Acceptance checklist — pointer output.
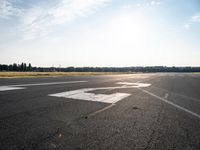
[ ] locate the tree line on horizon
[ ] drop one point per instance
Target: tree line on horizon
(16, 67)
(23, 67)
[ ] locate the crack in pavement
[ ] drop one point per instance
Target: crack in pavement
(154, 131)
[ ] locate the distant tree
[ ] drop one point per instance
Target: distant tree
(15, 68)
(29, 67)
(24, 67)
(4, 67)
(21, 66)
(10, 67)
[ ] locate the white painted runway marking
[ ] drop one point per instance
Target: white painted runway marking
(177, 94)
(100, 110)
(136, 85)
(49, 83)
(22, 86)
(82, 94)
(166, 95)
(8, 88)
(171, 103)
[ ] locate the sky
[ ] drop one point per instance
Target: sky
(100, 33)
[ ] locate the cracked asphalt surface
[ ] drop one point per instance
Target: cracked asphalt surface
(30, 119)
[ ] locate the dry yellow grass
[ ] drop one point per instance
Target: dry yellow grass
(50, 74)
(196, 72)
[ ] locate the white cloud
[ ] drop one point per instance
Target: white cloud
(196, 18)
(39, 21)
(186, 26)
(128, 6)
(193, 19)
(7, 9)
(138, 5)
(70, 9)
(154, 2)
(149, 3)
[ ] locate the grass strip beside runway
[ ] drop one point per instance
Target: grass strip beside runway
(51, 74)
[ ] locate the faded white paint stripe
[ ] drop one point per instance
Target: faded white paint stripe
(49, 83)
(166, 95)
(22, 86)
(8, 88)
(184, 96)
(101, 110)
(136, 84)
(171, 103)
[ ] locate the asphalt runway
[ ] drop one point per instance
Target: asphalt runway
(135, 111)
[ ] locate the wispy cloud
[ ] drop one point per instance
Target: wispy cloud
(149, 3)
(7, 9)
(187, 25)
(194, 19)
(154, 2)
(39, 21)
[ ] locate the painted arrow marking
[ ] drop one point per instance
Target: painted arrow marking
(82, 94)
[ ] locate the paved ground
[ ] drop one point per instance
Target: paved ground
(116, 112)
